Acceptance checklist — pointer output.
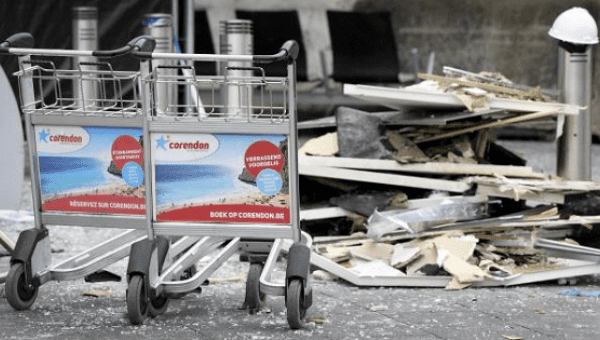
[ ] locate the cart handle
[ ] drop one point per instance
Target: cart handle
(144, 44)
(289, 51)
(22, 43)
(19, 40)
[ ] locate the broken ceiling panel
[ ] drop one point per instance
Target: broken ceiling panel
(399, 99)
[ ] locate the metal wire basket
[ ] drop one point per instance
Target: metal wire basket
(226, 98)
(93, 89)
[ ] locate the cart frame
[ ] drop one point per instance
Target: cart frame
(31, 263)
(152, 279)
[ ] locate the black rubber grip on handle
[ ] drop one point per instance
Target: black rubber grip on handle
(19, 40)
(143, 46)
(144, 43)
(289, 51)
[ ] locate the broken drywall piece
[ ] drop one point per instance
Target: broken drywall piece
(460, 269)
(472, 101)
(428, 256)
(322, 275)
(406, 150)
(455, 285)
(554, 190)
(494, 269)
(371, 251)
(403, 255)
(376, 268)
(488, 252)
(359, 134)
(326, 145)
(458, 150)
(462, 246)
(336, 254)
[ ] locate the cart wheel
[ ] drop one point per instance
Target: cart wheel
(254, 297)
(158, 306)
(295, 303)
(18, 293)
(137, 304)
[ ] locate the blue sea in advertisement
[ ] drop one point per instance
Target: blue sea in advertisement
(179, 183)
(64, 174)
(175, 183)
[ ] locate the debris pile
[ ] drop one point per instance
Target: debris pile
(423, 196)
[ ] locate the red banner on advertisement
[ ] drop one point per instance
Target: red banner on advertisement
(127, 149)
(97, 203)
(263, 155)
(232, 213)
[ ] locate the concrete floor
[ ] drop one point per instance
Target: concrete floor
(64, 310)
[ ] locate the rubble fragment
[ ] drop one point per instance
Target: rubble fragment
(359, 134)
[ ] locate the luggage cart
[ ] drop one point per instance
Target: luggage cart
(225, 173)
(80, 147)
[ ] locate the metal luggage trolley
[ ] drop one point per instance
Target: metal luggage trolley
(83, 134)
(224, 174)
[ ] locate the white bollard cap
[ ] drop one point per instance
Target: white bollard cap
(576, 26)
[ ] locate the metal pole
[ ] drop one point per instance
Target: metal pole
(575, 30)
(175, 12)
(293, 150)
(190, 35)
(236, 38)
(85, 37)
(574, 145)
(160, 26)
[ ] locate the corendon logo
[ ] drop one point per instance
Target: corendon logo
(184, 147)
(60, 139)
(65, 139)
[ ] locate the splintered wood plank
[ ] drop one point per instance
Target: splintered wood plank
(518, 194)
(530, 94)
(381, 178)
(503, 122)
(430, 167)
(323, 213)
(334, 239)
(556, 184)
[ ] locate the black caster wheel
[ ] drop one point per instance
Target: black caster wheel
(158, 306)
(254, 298)
(294, 300)
(19, 294)
(137, 304)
